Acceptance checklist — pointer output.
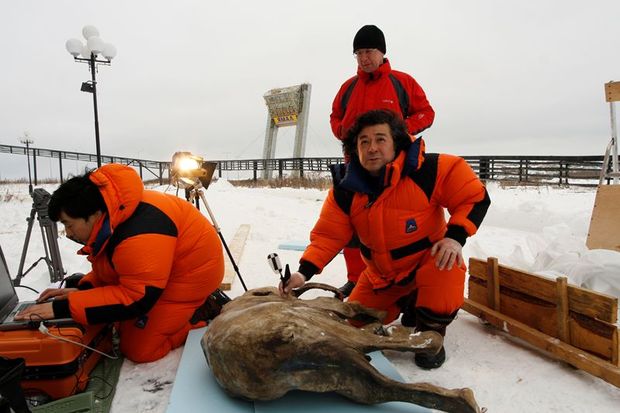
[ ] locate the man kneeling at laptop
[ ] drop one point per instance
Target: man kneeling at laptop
(155, 262)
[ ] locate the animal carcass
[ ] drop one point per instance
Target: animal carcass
(263, 345)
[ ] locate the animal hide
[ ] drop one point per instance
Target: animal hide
(263, 345)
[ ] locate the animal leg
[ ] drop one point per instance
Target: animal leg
(369, 386)
(367, 340)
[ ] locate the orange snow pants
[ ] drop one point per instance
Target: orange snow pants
(439, 291)
(354, 262)
(167, 324)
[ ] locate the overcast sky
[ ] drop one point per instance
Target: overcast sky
(504, 77)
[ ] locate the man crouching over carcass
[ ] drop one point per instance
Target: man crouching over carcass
(155, 261)
(393, 195)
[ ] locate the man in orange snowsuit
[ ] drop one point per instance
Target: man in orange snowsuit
(394, 195)
(155, 261)
(375, 86)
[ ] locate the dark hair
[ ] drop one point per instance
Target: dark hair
(79, 197)
(398, 129)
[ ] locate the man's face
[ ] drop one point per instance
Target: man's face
(369, 60)
(79, 229)
(375, 147)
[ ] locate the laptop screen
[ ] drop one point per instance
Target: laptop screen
(8, 297)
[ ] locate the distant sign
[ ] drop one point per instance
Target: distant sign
(287, 119)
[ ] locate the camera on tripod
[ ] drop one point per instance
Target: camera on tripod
(49, 232)
(40, 201)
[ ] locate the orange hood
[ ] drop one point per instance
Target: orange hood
(121, 188)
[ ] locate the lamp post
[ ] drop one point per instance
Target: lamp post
(27, 141)
(94, 46)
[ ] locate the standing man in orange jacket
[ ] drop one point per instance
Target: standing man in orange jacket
(376, 86)
(394, 196)
(155, 259)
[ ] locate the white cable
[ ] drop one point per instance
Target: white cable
(43, 329)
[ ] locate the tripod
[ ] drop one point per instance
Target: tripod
(49, 231)
(194, 194)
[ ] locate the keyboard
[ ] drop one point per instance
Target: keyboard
(19, 307)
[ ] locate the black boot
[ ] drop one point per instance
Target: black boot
(427, 320)
(347, 288)
(407, 306)
(211, 308)
(428, 362)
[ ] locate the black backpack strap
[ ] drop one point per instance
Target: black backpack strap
(347, 95)
(403, 97)
(146, 219)
(426, 176)
(344, 197)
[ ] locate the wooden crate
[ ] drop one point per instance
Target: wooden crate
(575, 324)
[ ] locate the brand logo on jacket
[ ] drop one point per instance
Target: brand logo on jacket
(390, 101)
(410, 226)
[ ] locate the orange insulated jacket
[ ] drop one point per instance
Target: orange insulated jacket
(399, 217)
(149, 246)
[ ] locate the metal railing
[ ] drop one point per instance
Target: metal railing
(156, 169)
(560, 170)
(532, 170)
(535, 170)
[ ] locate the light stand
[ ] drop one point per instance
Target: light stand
(194, 195)
(94, 46)
(49, 232)
(192, 174)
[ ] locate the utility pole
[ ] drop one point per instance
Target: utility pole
(27, 141)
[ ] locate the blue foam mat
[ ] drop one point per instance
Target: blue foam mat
(293, 245)
(195, 390)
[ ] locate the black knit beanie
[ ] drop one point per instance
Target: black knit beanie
(369, 37)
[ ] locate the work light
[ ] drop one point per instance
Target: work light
(190, 171)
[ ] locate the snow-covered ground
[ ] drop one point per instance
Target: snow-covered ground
(538, 229)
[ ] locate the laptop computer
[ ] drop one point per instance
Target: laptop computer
(10, 304)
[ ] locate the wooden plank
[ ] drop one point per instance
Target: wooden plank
(588, 334)
(615, 357)
(538, 314)
(594, 336)
(580, 300)
(493, 284)
(236, 250)
(593, 304)
(562, 309)
(612, 91)
(530, 284)
(604, 231)
(559, 350)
